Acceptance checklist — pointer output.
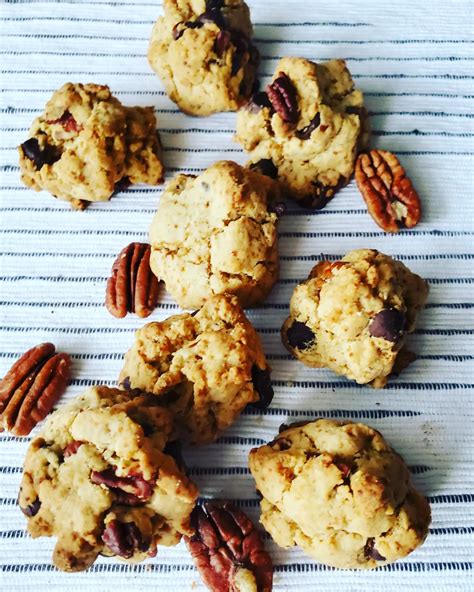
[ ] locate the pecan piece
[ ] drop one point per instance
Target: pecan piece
(32, 387)
(228, 550)
(282, 96)
(130, 491)
(132, 287)
(124, 538)
(391, 199)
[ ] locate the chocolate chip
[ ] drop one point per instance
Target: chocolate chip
(262, 384)
(258, 101)
(181, 27)
(370, 552)
(305, 133)
(32, 509)
(314, 202)
(32, 151)
(388, 324)
(322, 194)
(300, 335)
(212, 15)
(353, 110)
(279, 208)
(126, 383)
(122, 185)
(266, 167)
(174, 449)
(280, 444)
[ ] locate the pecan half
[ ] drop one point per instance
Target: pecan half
(32, 387)
(228, 550)
(132, 287)
(282, 96)
(389, 194)
(130, 491)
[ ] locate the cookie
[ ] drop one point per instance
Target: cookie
(307, 128)
(202, 52)
(215, 233)
(86, 145)
(353, 315)
(98, 478)
(341, 493)
(204, 367)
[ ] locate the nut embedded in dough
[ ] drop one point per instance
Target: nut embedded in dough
(341, 493)
(352, 316)
(217, 233)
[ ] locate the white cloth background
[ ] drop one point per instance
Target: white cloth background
(414, 63)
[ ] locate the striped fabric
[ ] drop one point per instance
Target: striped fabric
(414, 63)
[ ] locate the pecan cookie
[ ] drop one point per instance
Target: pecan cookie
(86, 144)
(98, 478)
(352, 316)
(306, 129)
(204, 367)
(202, 52)
(341, 493)
(216, 233)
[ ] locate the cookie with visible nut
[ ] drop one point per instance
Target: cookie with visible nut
(86, 145)
(340, 492)
(353, 315)
(204, 367)
(98, 478)
(217, 233)
(202, 51)
(31, 388)
(309, 123)
(228, 550)
(132, 286)
(391, 199)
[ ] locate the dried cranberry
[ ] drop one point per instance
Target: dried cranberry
(262, 384)
(300, 335)
(67, 121)
(305, 133)
(388, 324)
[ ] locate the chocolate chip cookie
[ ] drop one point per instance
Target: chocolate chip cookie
(86, 145)
(306, 129)
(204, 367)
(203, 54)
(98, 478)
(353, 315)
(341, 493)
(216, 233)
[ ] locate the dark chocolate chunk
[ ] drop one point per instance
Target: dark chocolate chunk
(388, 324)
(32, 509)
(370, 552)
(263, 386)
(266, 167)
(258, 101)
(300, 335)
(305, 132)
(279, 208)
(222, 43)
(32, 151)
(175, 450)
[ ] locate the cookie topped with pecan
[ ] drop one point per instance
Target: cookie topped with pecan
(309, 124)
(86, 145)
(202, 51)
(340, 492)
(99, 479)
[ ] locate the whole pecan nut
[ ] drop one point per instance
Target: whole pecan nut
(132, 287)
(31, 388)
(227, 549)
(391, 199)
(283, 97)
